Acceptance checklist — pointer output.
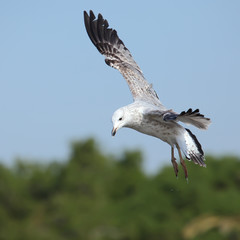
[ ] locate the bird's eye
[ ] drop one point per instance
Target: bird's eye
(120, 119)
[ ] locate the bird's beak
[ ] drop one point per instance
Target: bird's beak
(114, 130)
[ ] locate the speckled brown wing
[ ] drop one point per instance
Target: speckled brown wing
(119, 57)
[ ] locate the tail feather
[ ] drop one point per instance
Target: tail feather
(191, 148)
(194, 118)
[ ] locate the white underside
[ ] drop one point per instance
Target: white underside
(187, 144)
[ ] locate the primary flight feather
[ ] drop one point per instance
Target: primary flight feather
(146, 114)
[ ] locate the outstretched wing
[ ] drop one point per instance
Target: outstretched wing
(194, 118)
(118, 56)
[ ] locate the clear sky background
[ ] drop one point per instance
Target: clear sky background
(56, 88)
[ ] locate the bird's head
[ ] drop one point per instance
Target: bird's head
(119, 119)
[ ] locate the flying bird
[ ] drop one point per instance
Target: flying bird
(146, 114)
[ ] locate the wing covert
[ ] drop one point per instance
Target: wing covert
(194, 118)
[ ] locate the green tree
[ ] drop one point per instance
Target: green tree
(95, 196)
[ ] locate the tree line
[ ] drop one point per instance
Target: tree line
(96, 196)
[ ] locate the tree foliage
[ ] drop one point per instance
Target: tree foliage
(94, 196)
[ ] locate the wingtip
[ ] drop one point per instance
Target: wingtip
(100, 17)
(86, 13)
(92, 16)
(86, 17)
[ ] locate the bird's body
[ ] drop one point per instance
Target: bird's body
(146, 114)
(142, 122)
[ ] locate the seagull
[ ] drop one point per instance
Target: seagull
(146, 114)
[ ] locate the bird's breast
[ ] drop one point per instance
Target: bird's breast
(166, 132)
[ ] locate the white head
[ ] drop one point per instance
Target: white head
(121, 118)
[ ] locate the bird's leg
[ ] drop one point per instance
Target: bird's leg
(182, 162)
(174, 163)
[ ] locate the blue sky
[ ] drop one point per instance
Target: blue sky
(56, 88)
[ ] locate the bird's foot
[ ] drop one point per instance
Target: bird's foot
(175, 166)
(184, 169)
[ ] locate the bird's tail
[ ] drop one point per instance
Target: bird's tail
(195, 118)
(191, 147)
